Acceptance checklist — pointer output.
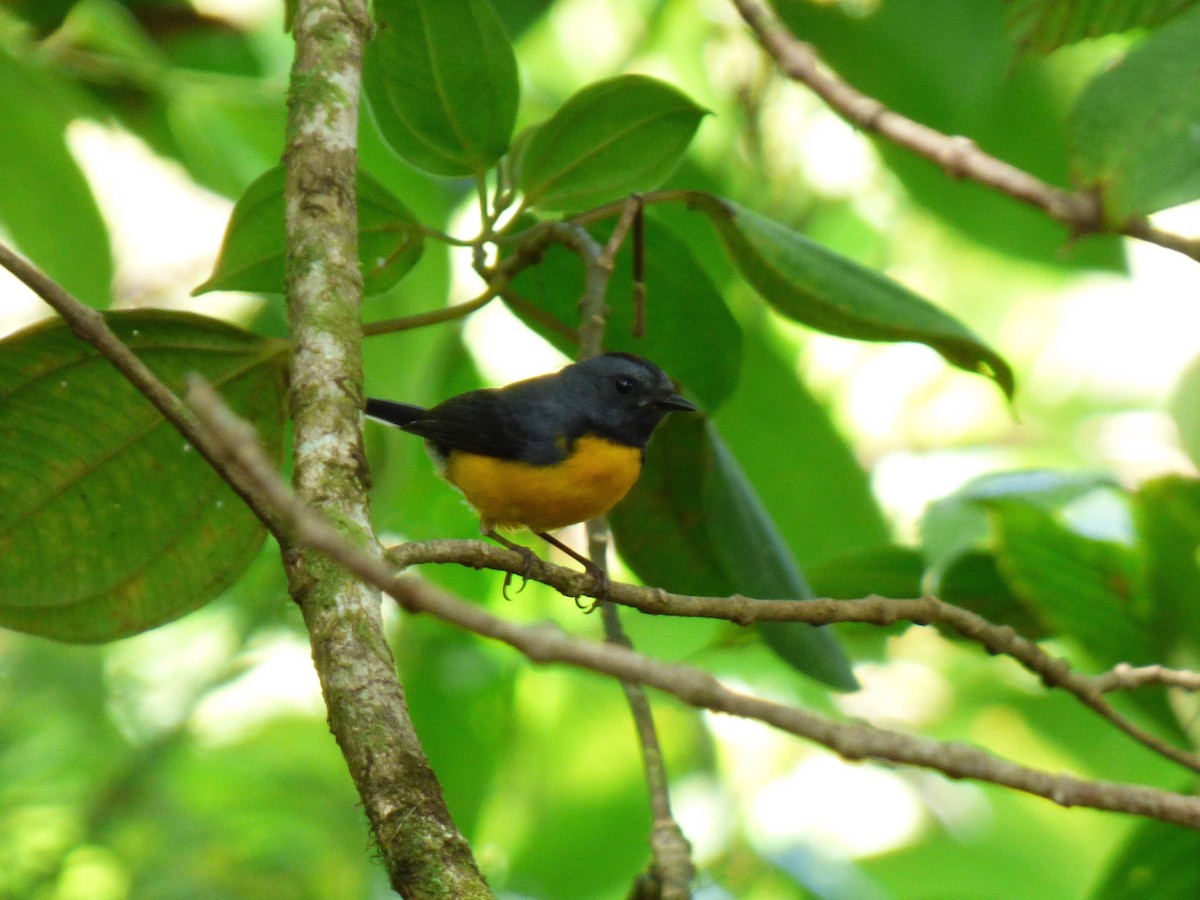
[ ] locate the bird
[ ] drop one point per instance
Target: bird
(548, 451)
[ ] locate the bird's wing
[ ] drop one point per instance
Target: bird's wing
(477, 422)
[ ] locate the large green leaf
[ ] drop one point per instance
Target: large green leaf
(1133, 132)
(1167, 512)
(1157, 862)
(681, 301)
(806, 282)
(1087, 589)
(110, 522)
(693, 524)
(820, 497)
(613, 138)
(1045, 25)
(441, 83)
(252, 254)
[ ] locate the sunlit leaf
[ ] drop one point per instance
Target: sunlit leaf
(36, 108)
(1185, 410)
(693, 524)
(1041, 26)
(111, 523)
(252, 255)
(1133, 132)
(808, 283)
(611, 139)
(680, 300)
(441, 83)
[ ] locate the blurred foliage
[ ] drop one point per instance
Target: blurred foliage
(193, 760)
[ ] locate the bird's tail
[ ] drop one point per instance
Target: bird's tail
(389, 411)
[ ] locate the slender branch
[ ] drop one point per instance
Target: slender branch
(547, 643)
(1125, 677)
(672, 870)
(1082, 212)
(437, 316)
(995, 639)
(425, 855)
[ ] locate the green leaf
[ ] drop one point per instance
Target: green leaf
(110, 522)
(252, 254)
(1133, 132)
(36, 108)
(1157, 862)
(973, 581)
(807, 283)
(888, 570)
(611, 139)
(1083, 588)
(773, 424)
(1041, 26)
(441, 83)
(1167, 513)
(680, 300)
(693, 524)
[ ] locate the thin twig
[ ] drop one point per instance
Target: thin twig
(1124, 677)
(671, 867)
(996, 639)
(547, 643)
(1082, 212)
(437, 316)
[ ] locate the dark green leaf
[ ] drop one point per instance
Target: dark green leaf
(611, 139)
(1045, 25)
(888, 570)
(110, 522)
(1167, 512)
(1079, 587)
(680, 300)
(806, 282)
(823, 505)
(693, 524)
(973, 581)
(1133, 132)
(252, 254)
(441, 83)
(1157, 862)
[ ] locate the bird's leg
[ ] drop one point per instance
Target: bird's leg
(597, 573)
(528, 555)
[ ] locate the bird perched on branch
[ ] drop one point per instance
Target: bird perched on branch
(545, 452)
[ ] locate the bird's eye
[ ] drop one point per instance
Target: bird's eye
(624, 384)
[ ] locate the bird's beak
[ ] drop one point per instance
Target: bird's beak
(675, 402)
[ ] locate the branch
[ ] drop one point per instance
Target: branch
(547, 643)
(672, 870)
(995, 639)
(1081, 212)
(422, 850)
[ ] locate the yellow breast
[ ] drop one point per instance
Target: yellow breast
(586, 484)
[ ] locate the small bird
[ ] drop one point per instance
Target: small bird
(549, 451)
